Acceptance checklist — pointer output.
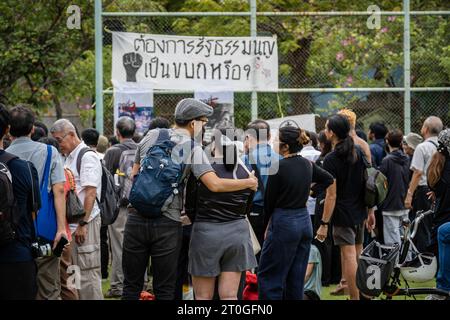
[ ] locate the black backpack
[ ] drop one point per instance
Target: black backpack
(8, 218)
(108, 203)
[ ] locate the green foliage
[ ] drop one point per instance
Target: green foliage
(42, 62)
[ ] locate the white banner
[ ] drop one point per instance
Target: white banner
(135, 104)
(195, 63)
(304, 121)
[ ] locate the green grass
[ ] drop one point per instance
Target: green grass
(431, 284)
(326, 291)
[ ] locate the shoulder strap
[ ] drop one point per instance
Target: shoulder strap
(257, 172)
(44, 181)
(434, 143)
(7, 157)
(36, 204)
(361, 154)
(123, 147)
(258, 176)
(80, 157)
(252, 194)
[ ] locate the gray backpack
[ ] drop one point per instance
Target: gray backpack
(109, 198)
(124, 174)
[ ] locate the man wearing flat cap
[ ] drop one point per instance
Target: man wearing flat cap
(160, 238)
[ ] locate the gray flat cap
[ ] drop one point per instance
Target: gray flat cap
(413, 139)
(189, 109)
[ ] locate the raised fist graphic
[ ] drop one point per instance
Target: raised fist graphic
(132, 62)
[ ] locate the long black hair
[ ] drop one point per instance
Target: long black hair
(293, 137)
(345, 148)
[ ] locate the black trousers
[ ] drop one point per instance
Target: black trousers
(104, 251)
(421, 202)
(256, 219)
(18, 281)
(183, 262)
(159, 239)
(329, 252)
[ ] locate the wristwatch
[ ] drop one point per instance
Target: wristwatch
(323, 223)
(82, 223)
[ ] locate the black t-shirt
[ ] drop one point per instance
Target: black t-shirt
(19, 250)
(350, 209)
(222, 206)
(290, 187)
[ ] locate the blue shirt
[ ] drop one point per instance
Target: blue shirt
(19, 250)
(377, 151)
(264, 157)
(314, 282)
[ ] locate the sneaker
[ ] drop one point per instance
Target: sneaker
(435, 297)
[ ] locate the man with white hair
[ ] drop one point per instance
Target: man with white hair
(417, 198)
(88, 180)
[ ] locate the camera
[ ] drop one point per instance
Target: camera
(40, 249)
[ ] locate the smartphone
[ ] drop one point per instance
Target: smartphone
(60, 247)
(319, 239)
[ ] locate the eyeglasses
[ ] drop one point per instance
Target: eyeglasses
(203, 120)
(61, 139)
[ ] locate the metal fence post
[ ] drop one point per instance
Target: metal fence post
(98, 66)
(253, 31)
(407, 66)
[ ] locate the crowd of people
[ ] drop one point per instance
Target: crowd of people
(286, 206)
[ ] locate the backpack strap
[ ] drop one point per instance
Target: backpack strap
(432, 142)
(258, 176)
(80, 157)
(44, 182)
(361, 154)
(36, 201)
(7, 157)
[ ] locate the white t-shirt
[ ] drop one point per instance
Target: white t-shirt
(422, 157)
(90, 176)
(311, 154)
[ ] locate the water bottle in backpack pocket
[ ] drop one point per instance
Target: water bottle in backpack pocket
(123, 174)
(159, 179)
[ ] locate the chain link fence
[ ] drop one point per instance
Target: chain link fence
(319, 52)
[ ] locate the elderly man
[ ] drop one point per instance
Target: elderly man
(86, 247)
(417, 197)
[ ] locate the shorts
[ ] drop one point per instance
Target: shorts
(220, 247)
(348, 236)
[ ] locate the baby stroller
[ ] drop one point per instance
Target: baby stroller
(380, 266)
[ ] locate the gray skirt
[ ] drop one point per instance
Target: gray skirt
(220, 247)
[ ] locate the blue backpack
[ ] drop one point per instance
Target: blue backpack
(159, 179)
